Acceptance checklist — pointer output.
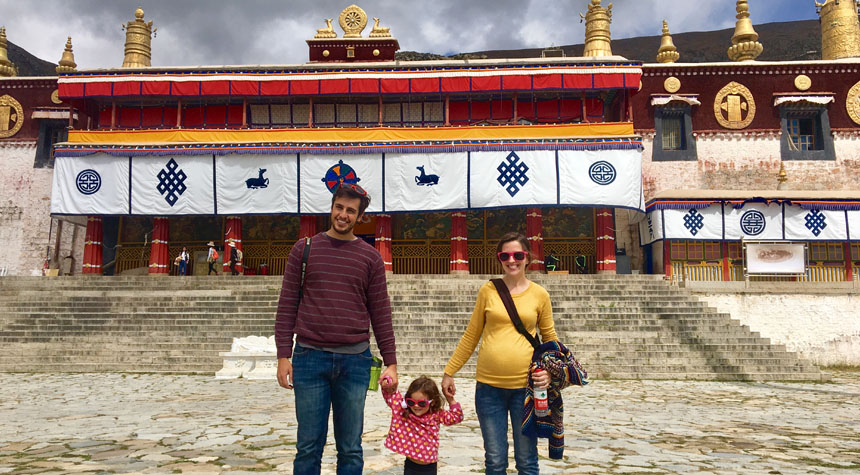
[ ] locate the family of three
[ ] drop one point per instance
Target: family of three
(334, 290)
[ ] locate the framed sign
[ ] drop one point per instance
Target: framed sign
(775, 258)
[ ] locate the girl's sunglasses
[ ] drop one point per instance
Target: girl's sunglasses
(422, 403)
(506, 256)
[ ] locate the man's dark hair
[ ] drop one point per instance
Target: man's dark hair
(347, 190)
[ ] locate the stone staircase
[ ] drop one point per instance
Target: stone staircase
(621, 327)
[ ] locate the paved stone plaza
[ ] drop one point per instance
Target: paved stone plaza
(143, 423)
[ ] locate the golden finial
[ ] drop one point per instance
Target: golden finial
(138, 42)
(667, 53)
(7, 68)
(67, 61)
(745, 45)
(783, 177)
(840, 29)
(598, 40)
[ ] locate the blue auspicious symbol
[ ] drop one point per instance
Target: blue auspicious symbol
(693, 221)
(259, 182)
(816, 222)
(424, 179)
(602, 172)
(340, 173)
(752, 223)
(88, 181)
(512, 175)
(171, 182)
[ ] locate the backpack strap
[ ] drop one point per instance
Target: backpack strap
(505, 294)
(304, 265)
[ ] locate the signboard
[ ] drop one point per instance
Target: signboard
(775, 258)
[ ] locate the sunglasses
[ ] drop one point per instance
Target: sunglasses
(422, 403)
(354, 188)
(506, 256)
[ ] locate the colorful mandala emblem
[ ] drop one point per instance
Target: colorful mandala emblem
(340, 173)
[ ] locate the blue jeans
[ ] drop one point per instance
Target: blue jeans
(326, 381)
(182, 267)
(494, 407)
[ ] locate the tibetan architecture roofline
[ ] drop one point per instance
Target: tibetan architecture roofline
(811, 199)
(304, 81)
(591, 144)
(351, 135)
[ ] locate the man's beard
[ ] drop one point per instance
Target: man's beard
(343, 233)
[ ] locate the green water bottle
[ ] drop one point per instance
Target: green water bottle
(375, 371)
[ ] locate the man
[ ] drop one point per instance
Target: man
(234, 258)
(344, 293)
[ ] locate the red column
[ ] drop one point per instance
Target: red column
(667, 259)
(383, 240)
(727, 268)
(234, 235)
(605, 241)
(307, 226)
(93, 246)
(159, 255)
(459, 244)
(849, 270)
(534, 233)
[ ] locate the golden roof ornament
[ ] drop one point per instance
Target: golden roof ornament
(352, 20)
(840, 29)
(138, 42)
(7, 68)
(782, 178)
(379, 31)
(327, 32)
(598, 40)
(67, 61)
(745, 45)
(667, 53)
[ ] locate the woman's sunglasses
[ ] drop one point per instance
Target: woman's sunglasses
(422, 403)
(354, 188)
(506, 256)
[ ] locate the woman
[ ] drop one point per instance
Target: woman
(184, 257)
(504, 358)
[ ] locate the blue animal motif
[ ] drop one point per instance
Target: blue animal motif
(425, 179)
(258, 182)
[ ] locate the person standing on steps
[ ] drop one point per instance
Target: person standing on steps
(234, 258)
(330, 312)
(502, 371)
(212, 258)
(184, 257)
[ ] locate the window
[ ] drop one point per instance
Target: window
(696, 251)
(805, 132)
(826, 251)
(735, 251)
(712, 251)
(855, 252)
(51, 132)
(673, 137)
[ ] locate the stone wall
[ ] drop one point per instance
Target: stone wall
(823, 326)
(25, 221)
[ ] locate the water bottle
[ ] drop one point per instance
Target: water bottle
(375, 371)
(541, 401)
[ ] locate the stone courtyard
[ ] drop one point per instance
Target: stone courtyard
(148, 423)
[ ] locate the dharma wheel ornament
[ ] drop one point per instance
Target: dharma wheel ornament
(352, 20)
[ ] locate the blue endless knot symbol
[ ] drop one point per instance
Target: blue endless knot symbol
(602, 173)
(753, 223)
(816, 222)
(172, 182)
(512, 175)
(694, 221)
(88, 181)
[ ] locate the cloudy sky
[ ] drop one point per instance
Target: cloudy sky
(217, 32)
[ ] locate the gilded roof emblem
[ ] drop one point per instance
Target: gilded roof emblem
(852, 103)
(11, 116)
(734, 106)
(352, 20)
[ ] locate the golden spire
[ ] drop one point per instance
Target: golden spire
(745, 45)
(67, 61)
(667, 53)
(138, 41)
(597, 37)
(840, 29)
(7, 68)
(782, 178)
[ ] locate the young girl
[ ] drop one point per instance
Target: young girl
(415, 423)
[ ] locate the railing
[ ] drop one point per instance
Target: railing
(825, 273)
(856, 269)
(273, 254)
(421, 256)
(703, 271)
(713, 272)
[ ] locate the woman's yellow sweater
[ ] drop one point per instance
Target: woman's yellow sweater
(505, 354)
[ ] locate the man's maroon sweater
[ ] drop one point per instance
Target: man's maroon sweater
(344, 294)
